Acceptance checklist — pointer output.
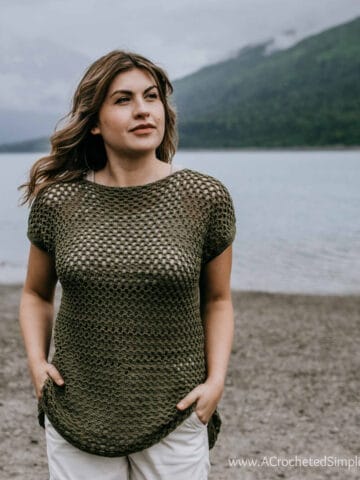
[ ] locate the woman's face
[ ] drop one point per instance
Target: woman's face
(132, 99)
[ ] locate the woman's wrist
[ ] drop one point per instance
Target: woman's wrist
(217, 381)
(37, 363)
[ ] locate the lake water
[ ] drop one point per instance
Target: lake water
(298, 217)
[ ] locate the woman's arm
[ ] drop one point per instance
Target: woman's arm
(36, 313)
(218, 317)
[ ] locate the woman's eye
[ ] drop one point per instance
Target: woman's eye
(124, 99)
(121, 99)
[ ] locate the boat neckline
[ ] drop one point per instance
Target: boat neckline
(143, 186)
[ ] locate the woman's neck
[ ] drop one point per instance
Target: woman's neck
(123, 178)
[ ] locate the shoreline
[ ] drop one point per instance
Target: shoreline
(280, 149)
(236, 291)
(291, 388)
(326, 148)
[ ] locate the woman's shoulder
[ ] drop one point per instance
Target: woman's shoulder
(56, 193)
(210, 185)
(202, 175)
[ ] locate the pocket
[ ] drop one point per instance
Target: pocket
(46, 421)
(45, 384)
(197, 419)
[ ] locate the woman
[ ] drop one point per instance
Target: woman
(142, 251)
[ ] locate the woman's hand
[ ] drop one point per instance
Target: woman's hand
(207, 396)
(41, 372)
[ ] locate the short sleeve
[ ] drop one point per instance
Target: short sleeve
(221, 228)
(40, 228)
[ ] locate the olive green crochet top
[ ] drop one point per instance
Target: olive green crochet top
(129, 339)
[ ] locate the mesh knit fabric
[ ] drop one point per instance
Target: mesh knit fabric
(129, 339)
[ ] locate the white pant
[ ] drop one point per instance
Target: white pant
(181, 455)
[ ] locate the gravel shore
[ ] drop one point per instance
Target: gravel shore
(292, 390)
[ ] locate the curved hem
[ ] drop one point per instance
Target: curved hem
(114, 453)
(212, 428)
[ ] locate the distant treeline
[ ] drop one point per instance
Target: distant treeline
(36, 145)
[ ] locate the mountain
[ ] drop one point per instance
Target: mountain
(28, 124)
(37, 145)
(307, 95)
(38, 78)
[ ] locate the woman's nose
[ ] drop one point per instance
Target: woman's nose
(141, 107)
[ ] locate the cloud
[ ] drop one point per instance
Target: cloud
(46, 46)
(183, 35)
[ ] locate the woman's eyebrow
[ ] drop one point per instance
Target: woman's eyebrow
(129, 92)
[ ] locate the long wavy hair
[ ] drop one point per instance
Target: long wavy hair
(74, 150)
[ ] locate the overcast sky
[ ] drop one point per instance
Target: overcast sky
(46, 45)
(180, 35)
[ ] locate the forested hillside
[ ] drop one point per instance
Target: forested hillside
(307, 95)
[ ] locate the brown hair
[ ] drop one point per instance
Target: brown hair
(74, 150)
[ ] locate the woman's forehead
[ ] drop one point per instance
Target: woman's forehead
(135, 78)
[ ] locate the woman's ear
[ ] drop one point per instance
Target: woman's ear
(95, 130)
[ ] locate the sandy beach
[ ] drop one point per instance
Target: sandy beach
(292, 390)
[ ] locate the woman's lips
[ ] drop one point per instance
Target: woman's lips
(143, 130)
